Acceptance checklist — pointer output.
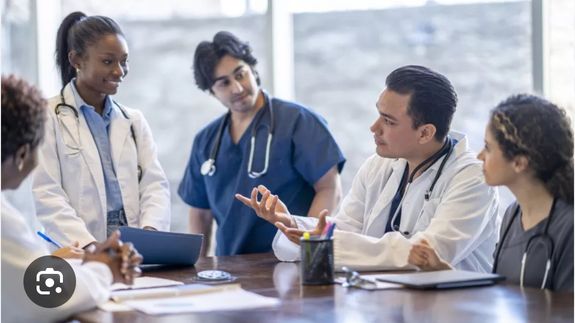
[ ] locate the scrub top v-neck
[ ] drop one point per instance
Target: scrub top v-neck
(302, 151)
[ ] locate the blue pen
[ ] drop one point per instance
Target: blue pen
(330, 231)
(47, 238)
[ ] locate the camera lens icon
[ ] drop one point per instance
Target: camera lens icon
(49, 281)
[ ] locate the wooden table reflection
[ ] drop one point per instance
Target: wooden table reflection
(263, 274)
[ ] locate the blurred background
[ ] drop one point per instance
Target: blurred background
(330, 55)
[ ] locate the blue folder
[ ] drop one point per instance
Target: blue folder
(164, 248)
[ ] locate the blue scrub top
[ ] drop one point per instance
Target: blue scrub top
(302, 151)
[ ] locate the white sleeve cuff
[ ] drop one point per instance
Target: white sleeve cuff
(286, 250)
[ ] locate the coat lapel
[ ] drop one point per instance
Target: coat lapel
(89, 150)
(119, 133)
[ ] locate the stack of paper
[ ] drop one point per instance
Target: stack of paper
(146, 282)
(146, 297)
(223, 300)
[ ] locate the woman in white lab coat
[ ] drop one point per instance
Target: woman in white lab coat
(23, 118)
(98, 168)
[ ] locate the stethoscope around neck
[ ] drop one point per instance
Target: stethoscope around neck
(447, 150)
(78, 147)
(208, 167)
(543, 237)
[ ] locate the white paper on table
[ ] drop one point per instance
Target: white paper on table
(146, 282)
(111, 306)
(234, 299)
(170, 291)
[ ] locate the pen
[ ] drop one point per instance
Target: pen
(47, 238)
(330, 230)
(307, 248)
(317, 258)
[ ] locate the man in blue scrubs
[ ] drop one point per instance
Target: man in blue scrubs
(304, 159)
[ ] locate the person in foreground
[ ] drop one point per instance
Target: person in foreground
(529, 149)
(23, 120)
(424, 183)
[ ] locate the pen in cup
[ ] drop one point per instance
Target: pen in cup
(327, 233)
(306, 237)
(50, 240)
(330, 230)
(316, 259)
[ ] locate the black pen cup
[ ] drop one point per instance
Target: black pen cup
(316, 261)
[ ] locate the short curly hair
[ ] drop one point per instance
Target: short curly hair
(23, 115)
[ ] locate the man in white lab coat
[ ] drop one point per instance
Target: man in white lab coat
(423, 183)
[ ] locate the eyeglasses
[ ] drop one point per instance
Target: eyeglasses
(354, 279)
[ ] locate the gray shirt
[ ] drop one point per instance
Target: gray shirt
(560, 277)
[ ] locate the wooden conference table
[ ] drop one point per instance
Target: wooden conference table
(263, 274)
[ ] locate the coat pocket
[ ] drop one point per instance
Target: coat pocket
(426, 214)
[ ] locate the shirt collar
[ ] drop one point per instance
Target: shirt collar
(82, 104)
(458, 148)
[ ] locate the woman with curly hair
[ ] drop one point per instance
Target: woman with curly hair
(529, 149)
(23, 119)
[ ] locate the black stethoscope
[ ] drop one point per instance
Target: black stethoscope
(543, 238)
(447, 150)
(208, 167)
(77, 148)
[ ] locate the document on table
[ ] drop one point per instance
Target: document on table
(142, 285)
(224, 300)
(146, 282)
(187, 298)
(171, 291)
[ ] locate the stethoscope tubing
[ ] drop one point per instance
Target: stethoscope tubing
(435, 179)
(545, 237)
(63, 103)
(208, 167)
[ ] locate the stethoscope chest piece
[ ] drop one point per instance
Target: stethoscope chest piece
(208, 167)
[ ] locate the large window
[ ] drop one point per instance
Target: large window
(341, 51)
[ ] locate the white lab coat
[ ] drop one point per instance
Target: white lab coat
(69, 186)
(460, 220)
(20, 247)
